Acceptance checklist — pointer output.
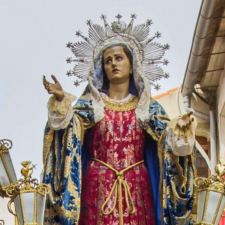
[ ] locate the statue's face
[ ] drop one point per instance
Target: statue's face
(117, 65)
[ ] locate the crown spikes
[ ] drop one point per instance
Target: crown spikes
(155, 75)
(150, 68)
(97, 35)
(81, 70)
(154, 51)
(69, 60)
(108, 30)
(133, 16)
(155, 78)
(69, 73)
(79, 60)
(157, 87)
(158, 34)
(76, 83)
(154, 62)
(82, 49)
(79, 34)
(103, 17)
(130, 26)
(166, 47)
(118, 17)
(166, 75)
(140, 32)
(89, 23)
(81, 67)
(95, 32)
(69, 45)
(148, 41)
(99, 30)
(81, 74)
(153, 72)
(165, 62)
(149, 22)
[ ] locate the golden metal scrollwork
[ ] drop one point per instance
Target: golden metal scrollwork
(211, 186)
(25, 185)
(214, 182)
(5, 145)
(2, 222)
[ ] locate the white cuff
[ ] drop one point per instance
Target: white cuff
(60, 113)
(179, 146)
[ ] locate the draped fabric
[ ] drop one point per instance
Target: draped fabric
(117, 140)
(65, 155)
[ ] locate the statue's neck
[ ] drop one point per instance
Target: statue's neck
(118, 91)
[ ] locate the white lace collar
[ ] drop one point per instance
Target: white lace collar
(113, 100)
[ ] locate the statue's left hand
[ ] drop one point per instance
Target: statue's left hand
(186, 120)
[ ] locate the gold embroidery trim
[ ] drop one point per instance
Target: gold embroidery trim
(121, 106)
(117, 187)
(161, 160)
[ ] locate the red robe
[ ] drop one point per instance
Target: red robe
(117, 140)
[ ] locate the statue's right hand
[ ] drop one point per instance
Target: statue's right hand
(55, 89)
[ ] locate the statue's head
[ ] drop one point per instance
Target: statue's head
(117, 53)
(117, 64)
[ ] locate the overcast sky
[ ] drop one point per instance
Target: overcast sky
(33, 39)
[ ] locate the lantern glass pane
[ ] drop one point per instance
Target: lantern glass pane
(201, 203)
(10, 167)
(28, 204)
(3, 175)
(18, 210)
(220, 211)
(213, 201)
(40, 207)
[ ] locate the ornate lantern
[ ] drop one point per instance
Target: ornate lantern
(211, 197)
(7, 172)
(28, 196)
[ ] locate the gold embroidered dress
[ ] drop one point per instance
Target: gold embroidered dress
(118, 141)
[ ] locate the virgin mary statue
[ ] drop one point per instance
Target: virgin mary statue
(114, 158)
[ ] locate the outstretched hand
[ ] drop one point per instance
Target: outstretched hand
(186, 120)
(55, 89)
